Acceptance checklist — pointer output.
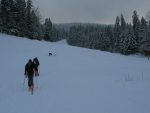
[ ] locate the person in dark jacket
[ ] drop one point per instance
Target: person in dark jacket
(29, 72)
(36, 64)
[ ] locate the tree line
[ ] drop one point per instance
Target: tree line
(21, 18)
(122, 37)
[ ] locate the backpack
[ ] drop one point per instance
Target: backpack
(36, 62)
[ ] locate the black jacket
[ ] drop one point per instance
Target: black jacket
(29, 68)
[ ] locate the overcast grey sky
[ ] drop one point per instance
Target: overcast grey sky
(93, 11)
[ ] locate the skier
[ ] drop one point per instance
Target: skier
(36, 64)
(29, 72)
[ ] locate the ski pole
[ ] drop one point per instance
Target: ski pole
(36, 82)
(24, 81)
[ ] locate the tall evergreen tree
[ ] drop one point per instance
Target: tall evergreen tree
(128, 44)
(123, 23)
(148, 30)
(37, 28)
(29, 21)
(143, 30)
(12, 24)
(20, 9)
(48, 29)
(5, 8)
(136, 26)
(117, 32)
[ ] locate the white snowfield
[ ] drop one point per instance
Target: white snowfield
(75, 80)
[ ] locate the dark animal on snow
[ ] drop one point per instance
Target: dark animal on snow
(50, 54)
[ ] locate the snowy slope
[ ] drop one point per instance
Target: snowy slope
(75, 80)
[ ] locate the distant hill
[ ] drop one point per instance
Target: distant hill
(66, 26)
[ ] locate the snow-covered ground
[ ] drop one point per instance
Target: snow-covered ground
(75, 80)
